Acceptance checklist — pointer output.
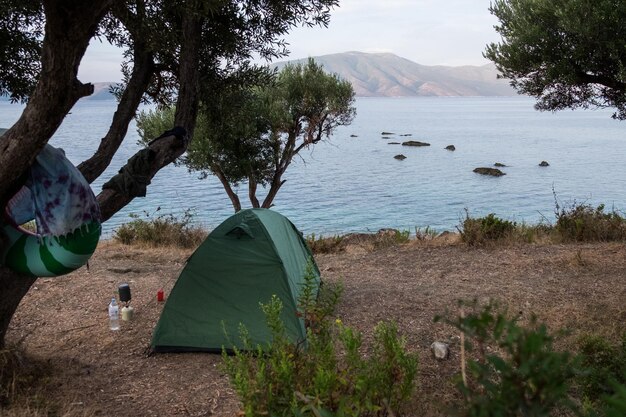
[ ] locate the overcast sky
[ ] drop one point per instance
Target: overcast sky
(429, 32)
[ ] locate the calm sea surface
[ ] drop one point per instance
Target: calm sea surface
(354, 183)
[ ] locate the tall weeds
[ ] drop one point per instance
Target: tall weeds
(584, 223)
(573, 223)
(326, 375)
(513, 369)
(161, 230)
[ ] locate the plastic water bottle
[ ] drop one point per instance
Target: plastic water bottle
(114, 315)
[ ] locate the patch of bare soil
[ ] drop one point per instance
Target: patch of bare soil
(64, 320)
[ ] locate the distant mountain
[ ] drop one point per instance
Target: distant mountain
(101, 91)
(388, 75)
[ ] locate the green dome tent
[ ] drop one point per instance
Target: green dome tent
(251, 256)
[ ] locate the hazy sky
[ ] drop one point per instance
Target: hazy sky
(429, 32)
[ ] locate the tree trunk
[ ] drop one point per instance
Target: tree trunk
(274, 188)
(252, 187)
(165, 150)
(143, 70)
(281, 167)
(234, 198)
(189, 73)
(13, 287)
(69, 27)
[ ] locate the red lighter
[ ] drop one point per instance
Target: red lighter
(160, 294)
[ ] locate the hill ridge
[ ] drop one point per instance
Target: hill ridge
(385, 74)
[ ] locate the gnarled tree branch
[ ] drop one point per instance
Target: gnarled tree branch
(69, 27)
(164, 151)
(143, 70)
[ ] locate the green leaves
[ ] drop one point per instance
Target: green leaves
(328, 376)
(314, 102)
(21, 34)
(605, 367)
(478, 231)
(515, 371)
(254, 122)
(566, 53)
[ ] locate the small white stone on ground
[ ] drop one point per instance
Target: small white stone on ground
(440, 350)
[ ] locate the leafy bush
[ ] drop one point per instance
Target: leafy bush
(478, 231)
(402, 236)
(321, 244)
(384, 238)
(582, 222)
(604, 364)
(574, 223)
(162, 230)
(515, 371)
(325, 375)
(615, 405)
(426, 233)
(390, 237)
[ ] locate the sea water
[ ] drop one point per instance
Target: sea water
(351, 182)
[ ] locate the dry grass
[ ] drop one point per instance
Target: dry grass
(574, 223)
(161, 231)
(369, 241)
(25, 390)
(64, 320)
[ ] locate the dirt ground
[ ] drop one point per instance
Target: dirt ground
(64, 321)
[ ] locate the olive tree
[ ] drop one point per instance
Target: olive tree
(251, 133)
(174, 50)
(566, 53)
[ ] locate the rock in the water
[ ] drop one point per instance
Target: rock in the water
(440, 350)
(387, 133)
(407, 134)
(400, 157)
(386, 137)
(353, 136)
(415, 143)
(499, 165)
(450, 148)
(544, 164)
(393, 143)
(494, 172)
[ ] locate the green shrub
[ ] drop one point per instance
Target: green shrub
(574, 223)
(326, 375)
(604, 364)
(583, 223)
(323, 244)
(515, 370)
(426, 233)
(384, 238)
(402, 236)
(478, 231)
(390, 237)
(162, 230)
(615, 405)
